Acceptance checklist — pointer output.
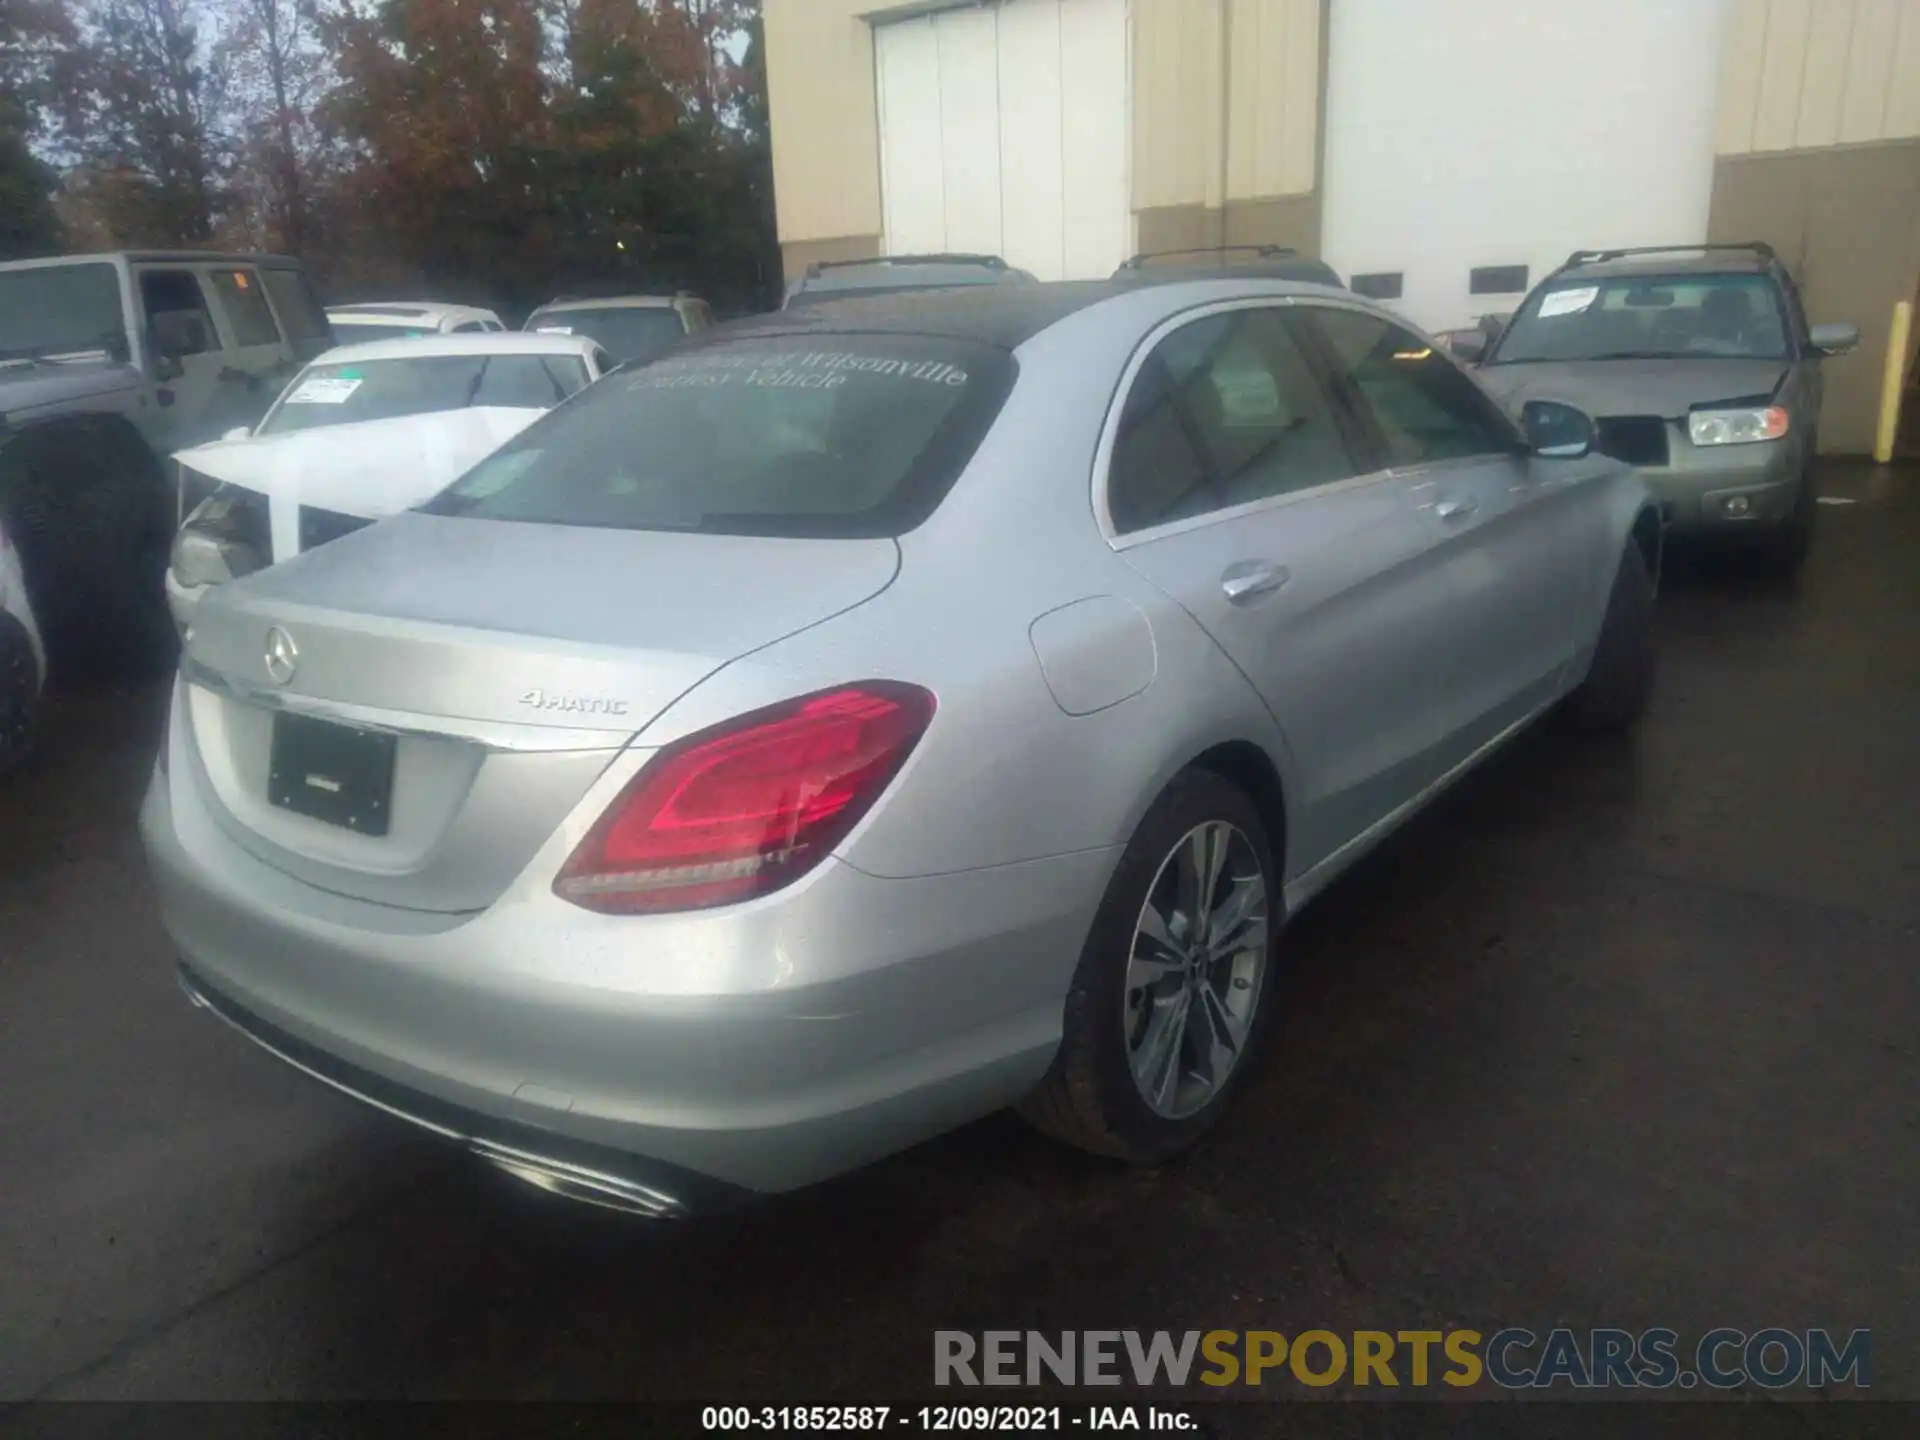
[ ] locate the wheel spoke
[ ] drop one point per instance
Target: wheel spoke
(1219, 1038)
(1232, 926)
(1157, 1062)
(1144, 972)
(1154, 928)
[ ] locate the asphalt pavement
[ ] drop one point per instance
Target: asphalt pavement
(1618, 1034)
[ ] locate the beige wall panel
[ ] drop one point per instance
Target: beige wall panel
(1781, 68)
(1745, 49)
(820, 94)
(1177, 90)
(1823, 73)
(1799, 74)
(1902, 116)
(1273, 96)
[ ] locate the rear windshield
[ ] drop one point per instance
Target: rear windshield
(626, 332)
(355, 390)
(345, 332)
(1681, 317)
(828, 435)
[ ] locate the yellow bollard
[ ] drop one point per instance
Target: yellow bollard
(1892, 381)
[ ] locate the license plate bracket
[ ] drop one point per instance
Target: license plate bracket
(333, 773)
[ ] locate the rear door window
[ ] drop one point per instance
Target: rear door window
(1226, 410)
(825, 436)
(244, 301)
(299, 309)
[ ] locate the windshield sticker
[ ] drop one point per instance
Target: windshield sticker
(1568, 302)
(554, 330)
(324, 390)
(813, 370)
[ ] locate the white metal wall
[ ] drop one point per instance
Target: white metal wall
(1463, 133)
(1004, 130)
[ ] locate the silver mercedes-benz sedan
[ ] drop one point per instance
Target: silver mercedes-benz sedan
(864, 719)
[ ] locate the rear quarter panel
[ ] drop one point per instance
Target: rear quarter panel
(1004, 773)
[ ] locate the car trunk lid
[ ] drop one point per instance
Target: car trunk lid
(508, 663)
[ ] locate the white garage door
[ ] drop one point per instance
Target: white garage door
(1003, 130)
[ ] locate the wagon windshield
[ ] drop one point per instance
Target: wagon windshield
(1648, 318)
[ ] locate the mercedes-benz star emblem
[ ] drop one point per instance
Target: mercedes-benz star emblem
(283, 656)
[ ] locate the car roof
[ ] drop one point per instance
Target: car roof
(1003, 315)
(403, 312)
(609, 302)
(499, 342)
(160, 257)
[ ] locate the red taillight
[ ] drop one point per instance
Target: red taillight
(739, 810)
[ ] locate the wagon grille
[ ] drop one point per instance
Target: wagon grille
(1636, 439)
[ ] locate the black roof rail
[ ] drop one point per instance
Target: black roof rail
(1600, 257)
(989, 262)
(1259, 252)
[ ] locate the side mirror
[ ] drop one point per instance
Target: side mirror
(166, 367)
(1833, 339)
(238, 432)
(1469, 347)
(1556, 431)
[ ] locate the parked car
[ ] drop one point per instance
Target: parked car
(362, 433)
(1703, 372)
(630, 327)
(856, 723)
(23, 661)
(107, 363)
(892, 274)
(1269, 262)
(357, 324)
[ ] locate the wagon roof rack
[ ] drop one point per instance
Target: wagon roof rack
(1599, 257)
(986, 262)
(1259, 252)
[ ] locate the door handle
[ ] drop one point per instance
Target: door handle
(1455, 509)
(1246, 583)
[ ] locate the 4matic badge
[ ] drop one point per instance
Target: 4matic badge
(560, 703)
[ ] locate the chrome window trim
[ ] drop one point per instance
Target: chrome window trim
(1110, 427)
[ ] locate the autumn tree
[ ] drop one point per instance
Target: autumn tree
(139, 101)
(34, 36)
(277, 69)
(444, 102)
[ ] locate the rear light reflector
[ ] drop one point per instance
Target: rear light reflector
(748, 806)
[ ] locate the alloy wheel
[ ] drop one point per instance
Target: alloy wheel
(1194, 973)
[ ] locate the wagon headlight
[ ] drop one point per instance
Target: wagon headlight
(1736, 427)
(225, 536)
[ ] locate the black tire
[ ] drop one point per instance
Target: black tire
(20, 693)
(86, 509)
(1620, 677)
(1089, 1098)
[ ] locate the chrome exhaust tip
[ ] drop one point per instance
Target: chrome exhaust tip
(577, 1182)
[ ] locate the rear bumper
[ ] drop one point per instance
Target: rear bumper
(1727, 490)
(757, 1047)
